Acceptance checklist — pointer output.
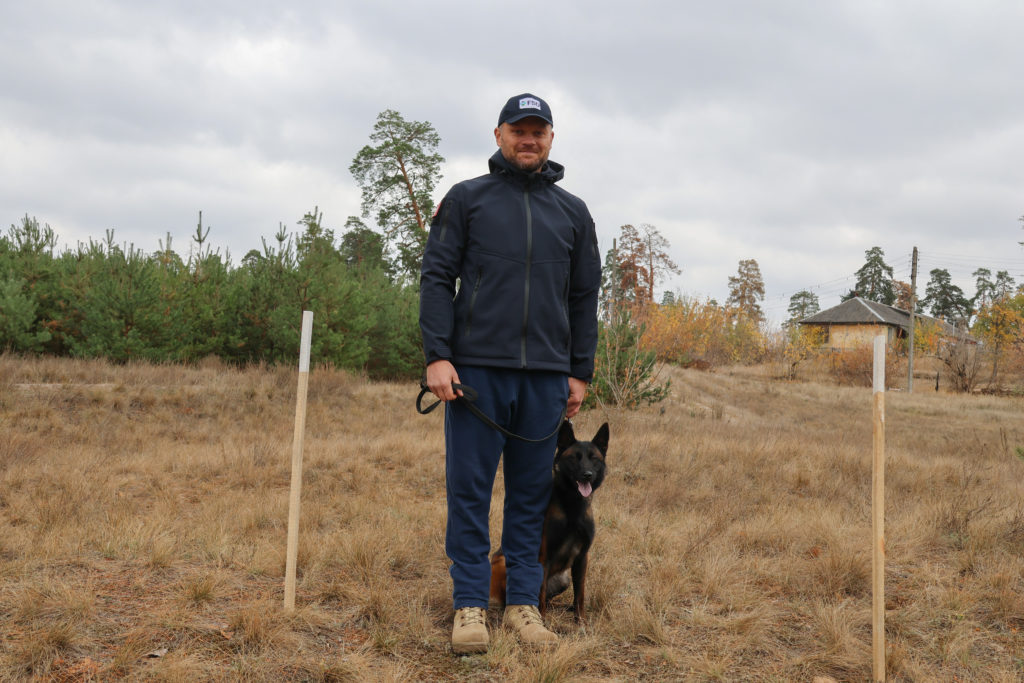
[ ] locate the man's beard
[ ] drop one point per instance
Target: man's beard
(531, 167)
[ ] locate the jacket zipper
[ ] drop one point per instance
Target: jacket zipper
(526, 291)
(472, 299)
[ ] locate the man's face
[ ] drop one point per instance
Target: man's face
(525, 143)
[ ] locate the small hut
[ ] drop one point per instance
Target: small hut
(856, 322)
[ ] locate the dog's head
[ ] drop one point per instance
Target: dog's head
(580, 465)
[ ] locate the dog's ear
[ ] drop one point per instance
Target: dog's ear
(566, 437)
(601, 439)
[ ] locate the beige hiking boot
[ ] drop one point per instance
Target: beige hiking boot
(527, 622)
(469, 631)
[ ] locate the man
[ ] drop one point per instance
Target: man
(508, 306)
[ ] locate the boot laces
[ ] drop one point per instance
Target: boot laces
(471, 615)
(530, 615)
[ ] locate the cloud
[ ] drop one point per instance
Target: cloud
(798, 134)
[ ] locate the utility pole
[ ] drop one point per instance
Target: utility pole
(913, 305)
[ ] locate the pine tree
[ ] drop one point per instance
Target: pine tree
(988, 290)
(642, 261)
(361, 247)
(874, 279)
(746, 291)
(27, 255)
(18, 331)
(120, 309)
(397, 175)
(611, 282)
(207, 303)
(803, 304)
(946, 300)
(624, 372)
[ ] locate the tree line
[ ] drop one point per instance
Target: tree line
(104, 299)
(692, 331)
(942, 298)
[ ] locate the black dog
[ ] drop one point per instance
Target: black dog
(578, 471)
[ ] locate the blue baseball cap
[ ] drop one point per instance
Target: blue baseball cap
(523, 106)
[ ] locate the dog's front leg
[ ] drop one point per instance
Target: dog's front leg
(579, 579)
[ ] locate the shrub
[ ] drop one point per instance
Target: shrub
(963, 362)
(855, 367)
(625, 373)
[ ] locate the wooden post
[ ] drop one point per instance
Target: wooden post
(878, 514)
(910, 332)
(292, 552)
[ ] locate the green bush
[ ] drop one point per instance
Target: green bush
(624, 373)
(108, 300)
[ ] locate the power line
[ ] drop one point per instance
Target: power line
(820, 286)
(835, 287)
(974, 259)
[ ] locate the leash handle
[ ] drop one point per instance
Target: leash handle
(468, 399)
(469, 392)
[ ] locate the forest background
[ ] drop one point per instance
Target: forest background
(108, 300)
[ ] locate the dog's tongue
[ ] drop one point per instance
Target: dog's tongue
(585, 488)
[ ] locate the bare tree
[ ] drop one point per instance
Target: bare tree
(962, 360)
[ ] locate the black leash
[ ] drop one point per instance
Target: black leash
(468, 398)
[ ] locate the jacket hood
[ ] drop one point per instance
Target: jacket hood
(551, 172)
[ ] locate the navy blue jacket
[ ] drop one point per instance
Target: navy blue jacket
(525, 254)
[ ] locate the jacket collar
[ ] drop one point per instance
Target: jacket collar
(551, 173)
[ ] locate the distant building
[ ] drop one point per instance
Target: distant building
(856, 322)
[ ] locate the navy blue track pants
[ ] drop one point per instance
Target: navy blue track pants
(524, 402)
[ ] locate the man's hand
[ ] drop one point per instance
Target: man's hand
(577, 390)
(440, 376)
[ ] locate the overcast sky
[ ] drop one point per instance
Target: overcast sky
(800, 134)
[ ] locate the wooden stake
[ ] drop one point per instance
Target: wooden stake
(878, 514)
(910, 332)
(292, 552)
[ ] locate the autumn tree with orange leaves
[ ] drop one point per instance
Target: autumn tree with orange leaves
(1000, 325)
(688, 330)
(642, 261)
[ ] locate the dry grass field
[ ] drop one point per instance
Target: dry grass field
(143, 514)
